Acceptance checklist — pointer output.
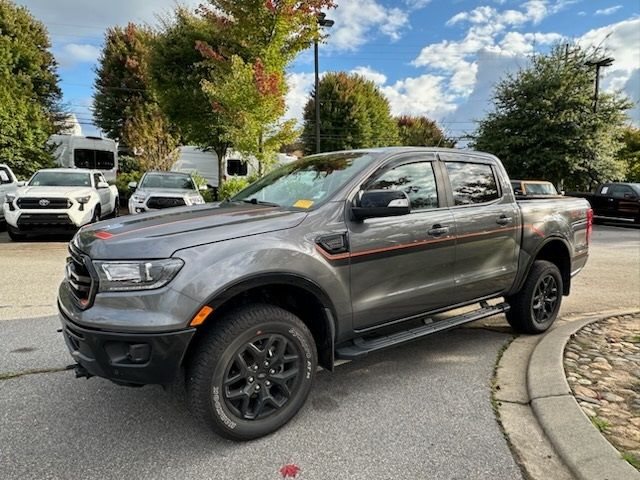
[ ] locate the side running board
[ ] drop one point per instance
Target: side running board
(359, 347)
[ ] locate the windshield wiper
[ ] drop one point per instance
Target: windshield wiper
(255, 201)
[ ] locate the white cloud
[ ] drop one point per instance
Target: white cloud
(417, 4)
(608, 11)
(422, 95)
(358, 20)
(300, 87)
(74, 53)
(370, 74)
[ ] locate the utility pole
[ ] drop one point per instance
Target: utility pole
(323, 21)
(603, 62)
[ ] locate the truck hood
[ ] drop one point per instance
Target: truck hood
(41, 192)
(160, 234)
(166, 192)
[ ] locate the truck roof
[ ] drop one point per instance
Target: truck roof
(392, 150)
(69, 170)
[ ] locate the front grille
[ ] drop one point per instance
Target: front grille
(79, 277)
(165, 202)
(36, 220)
(44, 203)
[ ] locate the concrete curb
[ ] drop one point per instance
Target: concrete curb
(583, 449)
(548, 433)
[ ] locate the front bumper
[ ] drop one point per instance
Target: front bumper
(26, 220)
(127, 358)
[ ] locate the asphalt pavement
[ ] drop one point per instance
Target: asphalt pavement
(418, 411)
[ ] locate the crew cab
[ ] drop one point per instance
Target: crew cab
(59, 198)
(614, 201)
(532, 188)
(334, 256)
(8, 184)
(159, 190)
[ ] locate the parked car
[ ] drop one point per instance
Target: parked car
(8, 185)
(159, 190)
(59, 198)
(334, 256)
(94, 153)
(614, 201)
(533, 188)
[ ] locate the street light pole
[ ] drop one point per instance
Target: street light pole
(323, 21)
(603, 62)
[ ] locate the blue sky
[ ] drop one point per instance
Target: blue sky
(433, 57)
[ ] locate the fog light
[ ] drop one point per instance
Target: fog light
(139, 353)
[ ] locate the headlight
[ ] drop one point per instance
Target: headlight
(144, 275)
(138, 197)
(83, 200)
(9, 197)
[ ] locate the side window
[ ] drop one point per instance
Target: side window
(105, 160)
(236, 167)
(416, 179)
(472, 182)
(4, 176)
(83, 158)
(622, 191)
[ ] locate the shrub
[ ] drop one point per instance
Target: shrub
(231, 186)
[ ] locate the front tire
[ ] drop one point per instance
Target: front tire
(252, 372)
(96, 215)
(535, 307)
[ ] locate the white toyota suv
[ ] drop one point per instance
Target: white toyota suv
(160, 190)
(59, 198)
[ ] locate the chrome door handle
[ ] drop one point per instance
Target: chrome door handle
(438, 230)
(504, 220)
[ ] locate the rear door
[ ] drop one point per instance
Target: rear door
(487, 223)
(403, 266)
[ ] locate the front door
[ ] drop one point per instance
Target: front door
(403, 266)
(487, 223)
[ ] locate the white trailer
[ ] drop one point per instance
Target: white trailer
(78, 151)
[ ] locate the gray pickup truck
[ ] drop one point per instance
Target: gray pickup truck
(331, 257)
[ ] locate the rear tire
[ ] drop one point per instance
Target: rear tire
(252, 372)
(116, 209)
(15, 234)
(96, 215)
(535, 307)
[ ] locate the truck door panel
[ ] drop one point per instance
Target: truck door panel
(402, 266)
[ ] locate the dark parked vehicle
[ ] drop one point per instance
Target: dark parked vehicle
(614, 201)
(330, 257)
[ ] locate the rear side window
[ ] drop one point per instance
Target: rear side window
(472, 182)
(416, 179)
(105, 160)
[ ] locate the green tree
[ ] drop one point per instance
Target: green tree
(353, 114)
(125, 105)
(29, 92)
(422, 132)
(544, 125)
(630, 153)
(246, 85)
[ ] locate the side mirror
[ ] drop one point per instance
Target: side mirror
(381, 203)
(203, 188)
(21, 183)
(133, 185)
(102, 185)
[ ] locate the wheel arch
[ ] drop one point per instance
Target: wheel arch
(557, 251)
(297, 294)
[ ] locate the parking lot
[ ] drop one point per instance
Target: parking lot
(417, 411)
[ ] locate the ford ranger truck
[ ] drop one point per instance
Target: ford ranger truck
(334, 256)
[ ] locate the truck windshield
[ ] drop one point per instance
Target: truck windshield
(60, 179)
(167, 180)
(306, 182)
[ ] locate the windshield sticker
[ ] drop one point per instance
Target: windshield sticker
(303, 203)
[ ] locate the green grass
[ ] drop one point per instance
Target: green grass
(635, 339)
(601, 424)
(632, 459)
